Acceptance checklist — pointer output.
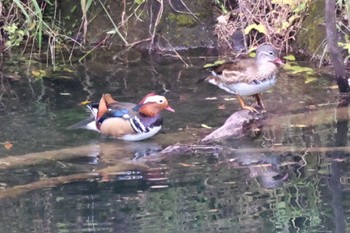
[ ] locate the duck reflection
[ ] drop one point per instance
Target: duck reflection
(266, 168)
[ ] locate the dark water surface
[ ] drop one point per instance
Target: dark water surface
(299, 186)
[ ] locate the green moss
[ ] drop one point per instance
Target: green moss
(182, 20)
(313, 32)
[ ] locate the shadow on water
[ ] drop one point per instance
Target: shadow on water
(284, 177)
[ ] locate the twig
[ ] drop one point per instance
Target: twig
(183, 12)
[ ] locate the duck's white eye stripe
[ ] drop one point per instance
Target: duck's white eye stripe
(267, 53)
(156, 98)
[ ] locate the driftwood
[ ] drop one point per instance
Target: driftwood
(235, 126)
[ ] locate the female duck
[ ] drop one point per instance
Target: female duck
(248, 76)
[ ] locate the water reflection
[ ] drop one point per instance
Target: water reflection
(300, 188)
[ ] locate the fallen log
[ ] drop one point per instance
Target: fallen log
(111, 152)
(235, 126)
(181, 142)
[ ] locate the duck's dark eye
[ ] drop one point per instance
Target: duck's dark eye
(271, 53)
(160, 101)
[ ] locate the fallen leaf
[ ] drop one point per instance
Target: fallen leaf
(310, 80)
(298, 126)
(222, 106)
(216, 63)
(223, 19)
(206, 126)
(39, 73)
(186, 165)
(289, 57)
(8, 145)
(159, 186)
(68, 70)
(213, 210)
(333, 87)
(285, 25)
(259, 27)
(292, 18)
(252, 54)
(85, 102)
(295, 69)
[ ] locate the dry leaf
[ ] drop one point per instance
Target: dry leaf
(298, 126)
(223, 19)
(310, 80)
(39, 73)
(8, 145)
(259, 27)
(186, 165)
(65, 93)
(85, 102)
(333, 87)
(222, 106)
(205, 126)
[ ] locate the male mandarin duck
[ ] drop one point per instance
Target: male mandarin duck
(127, 121)
(248, 77)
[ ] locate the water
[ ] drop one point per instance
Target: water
(271, 183)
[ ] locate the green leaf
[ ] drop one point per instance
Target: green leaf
(252, 54)
(88, 5)
(219, 62)
(310, 80)
(285, 25)
(259, 27)
(139, 2)
(300, 7)
(289, 57)
(295, 69)
(72, 10)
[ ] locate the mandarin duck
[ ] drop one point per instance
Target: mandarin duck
(126, 121)
(249, 76)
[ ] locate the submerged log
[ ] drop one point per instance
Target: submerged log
(18, 190)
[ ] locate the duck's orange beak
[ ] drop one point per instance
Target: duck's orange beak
(170, 109)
